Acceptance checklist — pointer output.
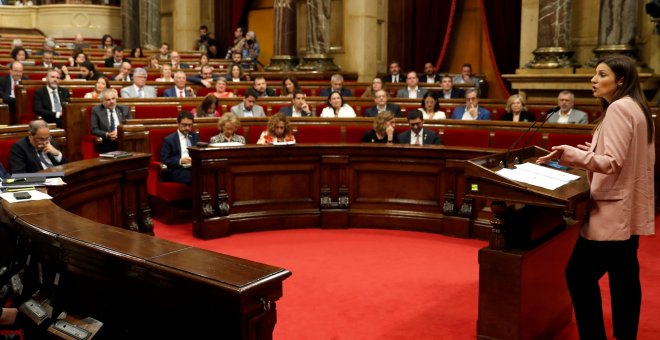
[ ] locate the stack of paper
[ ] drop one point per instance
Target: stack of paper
(538, 175)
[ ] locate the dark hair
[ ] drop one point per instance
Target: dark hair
(117, 48)
(90, 66)
(106, 36)
(184, 114)
(340, 97)
(203, 27)
(467, 65)
(295, 85)
(140, 55)
(435, 97)
(206, 104)
(414, 114)
(297, 91)
(625, 71)
(15, 51)
(251, 92)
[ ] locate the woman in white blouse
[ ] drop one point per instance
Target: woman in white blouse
(337, 108)
(430, 107)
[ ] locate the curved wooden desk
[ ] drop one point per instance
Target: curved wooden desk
(139, 286)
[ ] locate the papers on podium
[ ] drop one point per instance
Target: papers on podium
(537, 175)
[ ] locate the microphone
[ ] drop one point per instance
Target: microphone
(505, 161)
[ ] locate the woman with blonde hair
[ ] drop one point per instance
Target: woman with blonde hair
(227, 126)
(516, 110)
(376, 85)
(221, 89)
(383, 131)
(166, 73)
(278, 130)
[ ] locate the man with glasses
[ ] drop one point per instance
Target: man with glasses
(139, 89)
(471, 110)
(36, 151)
(417, 135)
(174, 152)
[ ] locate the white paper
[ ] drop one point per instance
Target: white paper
(54, 182)
(284, 143)
(36, 196)
(221, 145)
(537, 175)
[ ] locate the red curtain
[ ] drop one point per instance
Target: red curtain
(430, 32)
(501, 20)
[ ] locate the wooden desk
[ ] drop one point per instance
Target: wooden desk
(139, 286)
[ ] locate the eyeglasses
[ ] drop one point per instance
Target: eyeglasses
(42, 139)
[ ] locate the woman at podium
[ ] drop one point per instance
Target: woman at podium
(619, 163)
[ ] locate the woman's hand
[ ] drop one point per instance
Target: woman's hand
(556, 153)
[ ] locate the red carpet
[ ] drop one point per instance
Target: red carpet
(381, 284)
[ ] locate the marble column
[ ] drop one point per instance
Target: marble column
(616, 31)
(317, 57)
(554, 35)
(285, 36)
(150, 24)
(130, 19)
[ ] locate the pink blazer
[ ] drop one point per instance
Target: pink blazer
(619, 167)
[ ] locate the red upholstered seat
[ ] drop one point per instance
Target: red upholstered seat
(171, 191)
(354, 133)
(505, 139)
(79, 92)
(167, 191)
(253, 134)
(88, 143)
(466, 137)
(5, 151)
(28, 114)
(155, 111)
(572, 139)
(318, 134)
(275, 108)
(358, 92)
(204, 91)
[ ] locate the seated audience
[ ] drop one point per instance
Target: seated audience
(466, 76)
(429, 76)
(139, 89)
(205, 77)
(337, 108)
(101, 85)
(136, 52)
(166, 73)
(174, 152)
(471, 110)
(117, 58)
(235, 74)
(417, 135)
(278, 130)
(107, 41)
(180, 90)
(203, 61)
(88, 71)
(109, 52)
(154, 63)
(62, 72)
(9, 84)
(79, 42)
(49, 46)
(516, 110)
(164, 51)
(431, 107)
(376, 85)
(19, 54)
(395, 75)
(77, 58)
(383, 131)
(380, 99)
(248, 108)
(289, 85)
(124, 72)
(105, 119)
(262, 89)
(36, 151)
(299, 106)
(412, 90)
(448, 90)
(567, 114)
(221, 89)
(237, 58)
(207, 108)
(176, 61)
(336, 85)
(47, 59)
(48, 100)
(227, 126)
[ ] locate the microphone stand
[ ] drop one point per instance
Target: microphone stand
(505, 161)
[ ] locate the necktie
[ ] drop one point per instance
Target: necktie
(417, 139)
(13, 89)
(140, 93)
(180, 93)
(56, 102)
(188, 142)
(46, 163)
(112, 121)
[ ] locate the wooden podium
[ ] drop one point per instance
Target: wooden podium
(522, 290)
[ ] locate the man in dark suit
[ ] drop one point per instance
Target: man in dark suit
(36, 151)
(105, 119)
(3, 173)
(336, 85)
(117, 58)
(448, 90)
(174, 152)
(180, 90)
(262, 89)
(380, 98)
(412, 90)
(299, 106)
(48, 100)
(8, 84)
(429, 76)
(395, 74)
(205, 77)
(417, 135)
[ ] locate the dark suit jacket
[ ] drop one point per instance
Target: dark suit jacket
(3, 173)
(455, 93)
(170, 155)
(197, 78)
(171, 92)
(344, 92)
(100, 124)
(42, 106)
(269, 92)
(373, 111)
(525, 116)
(110, 62)
(5, 86)
(429, 137)
(388, 78)
(23, 157)
(288, 111)
(423, 78)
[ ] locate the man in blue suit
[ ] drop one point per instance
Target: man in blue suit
(336, 85)
(417, 135)
(471, 110)
(174, 152)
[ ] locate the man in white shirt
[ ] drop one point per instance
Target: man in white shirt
(299, 107)
(105, 119)
(412, 91)
(567, 114)
(417, 135)
(174, 152)
(124, 72)
(471, 110)
(394, 76)
(180, 90)
(429, 76)
(139, 89)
